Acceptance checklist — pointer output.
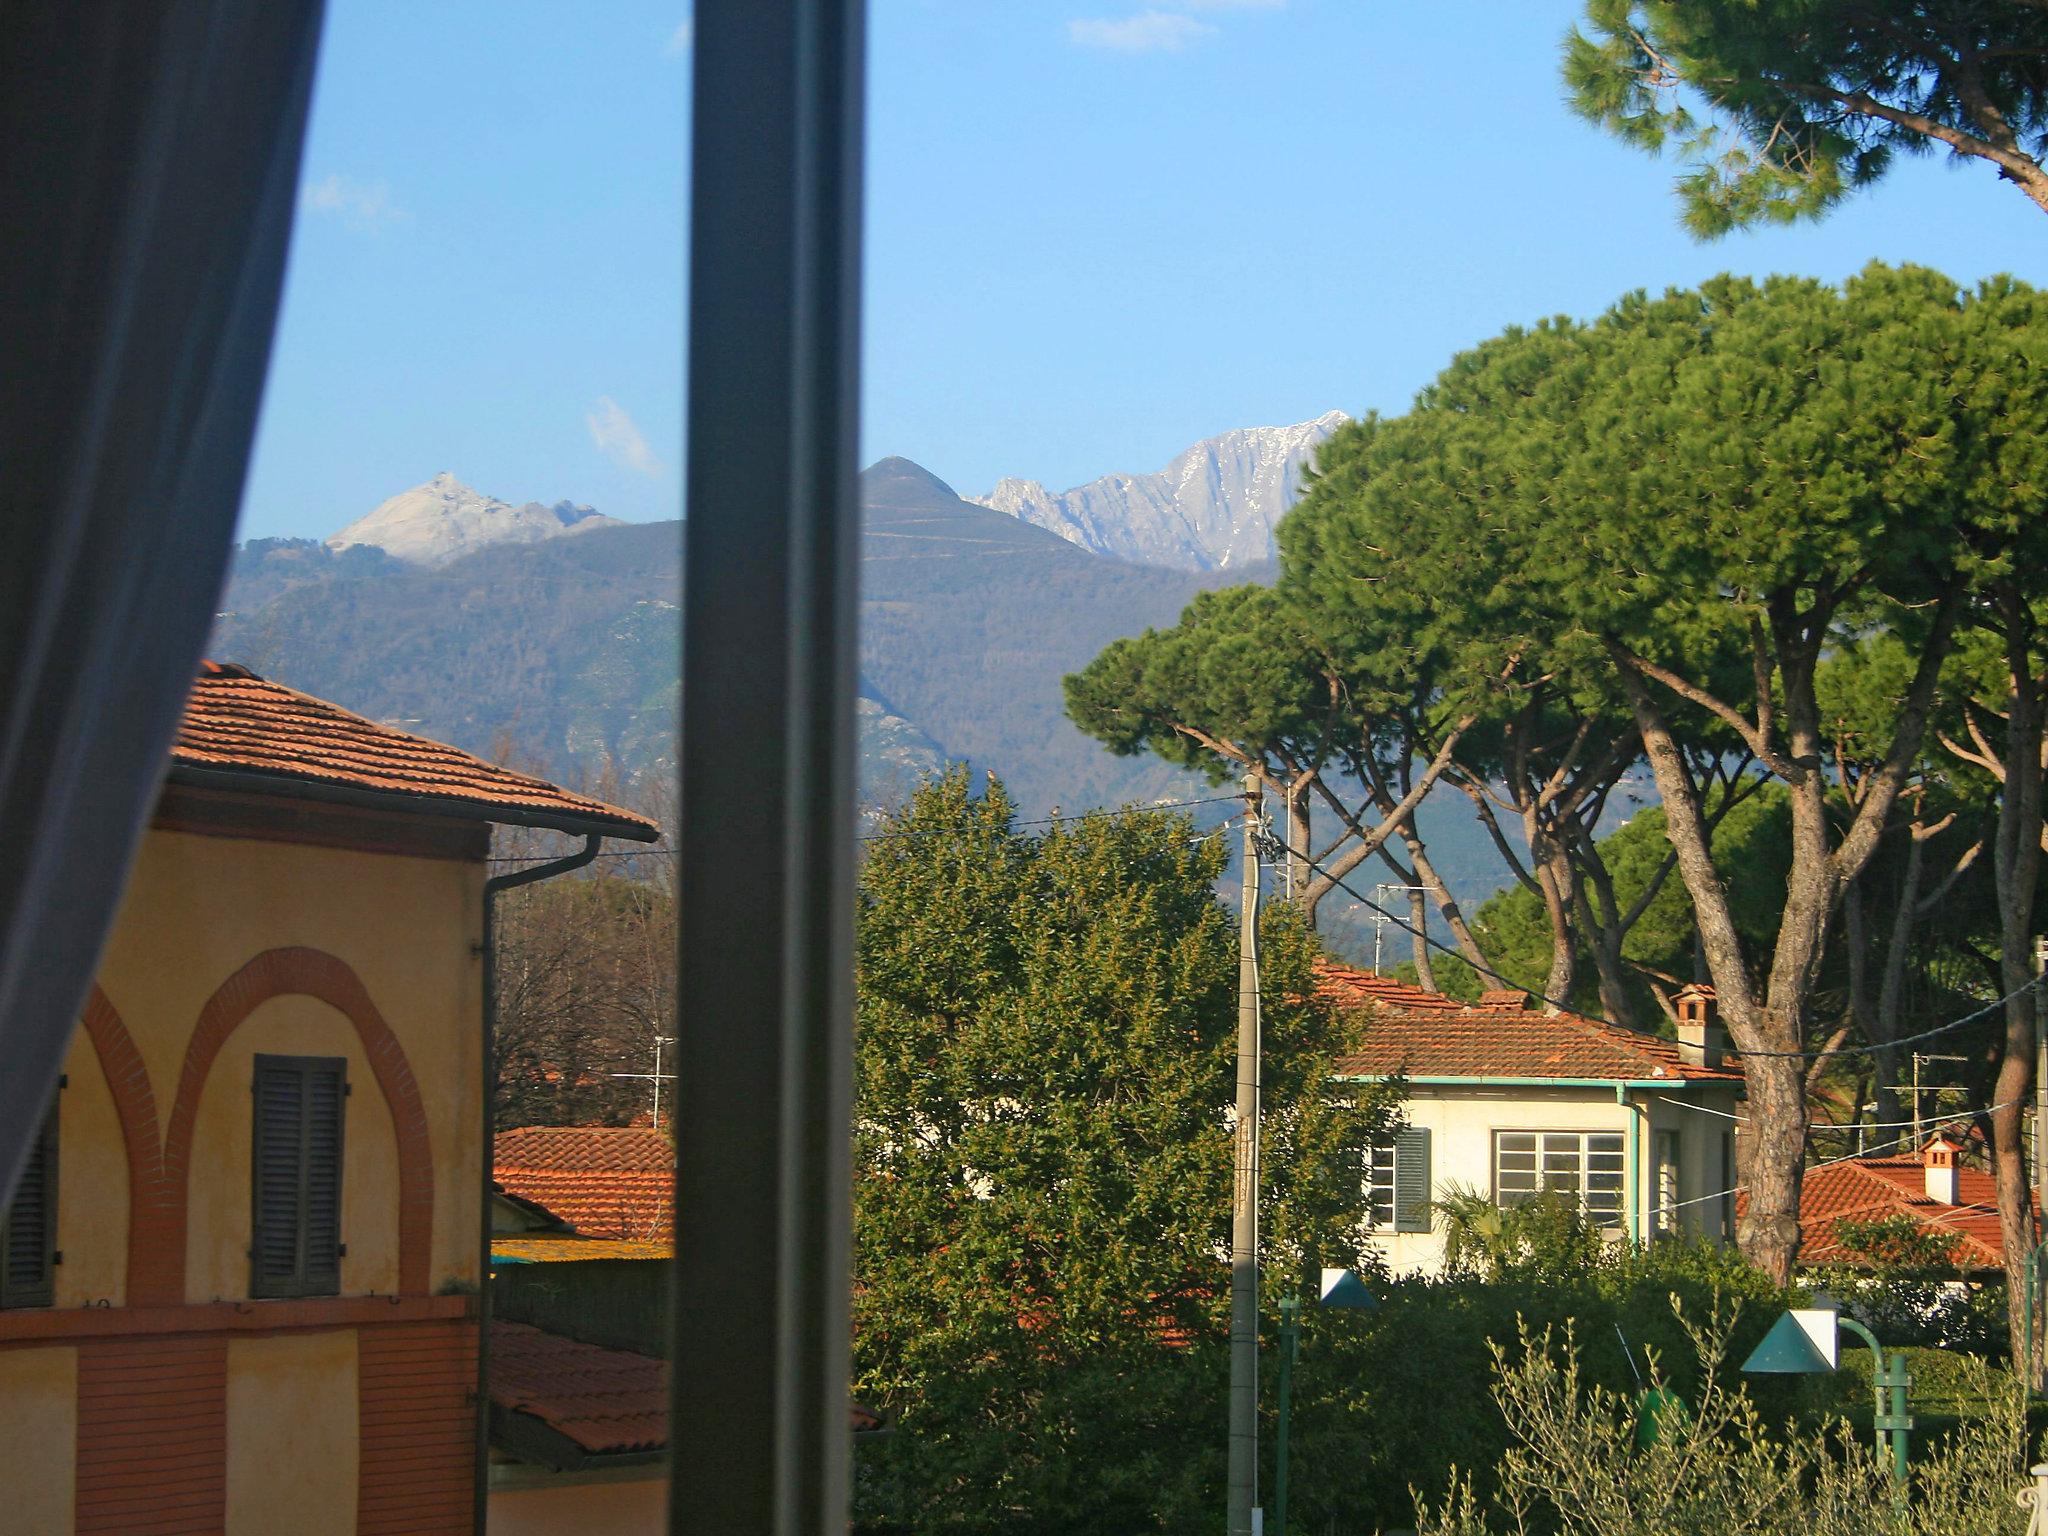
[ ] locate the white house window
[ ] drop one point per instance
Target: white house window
(1584, 1164)
(1379, 1183)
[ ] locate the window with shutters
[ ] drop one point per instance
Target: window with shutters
(28, 1230)
(1397, 1188)
(295, 1243)
(1586, 1165)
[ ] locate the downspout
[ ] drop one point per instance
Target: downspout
(493, 886)
(1630, 1156)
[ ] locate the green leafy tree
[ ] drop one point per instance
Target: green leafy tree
(1045, 1056)
(1695, 497)
(1781, 108)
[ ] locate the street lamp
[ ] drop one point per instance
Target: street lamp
(1341, 1289)
(1807, 1341)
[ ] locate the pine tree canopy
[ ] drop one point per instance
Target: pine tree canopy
(1780, 108)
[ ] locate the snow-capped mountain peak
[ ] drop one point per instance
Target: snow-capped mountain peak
(1212, 508)
(443, 518)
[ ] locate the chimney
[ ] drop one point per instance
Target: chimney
(1944, 1179)
(1700, 1042)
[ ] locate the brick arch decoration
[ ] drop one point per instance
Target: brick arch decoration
(298, 971)
(152, 1277)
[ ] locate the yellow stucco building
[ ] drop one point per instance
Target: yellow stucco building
(240, 1276)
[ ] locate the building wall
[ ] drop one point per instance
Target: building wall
(38, 1429)
(292, 1441)
(92, 1185)
(572, 1506)
(199, 909)
(1462, 1120)
(156, 1395)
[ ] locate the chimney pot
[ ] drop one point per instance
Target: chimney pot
(1700, 1040)
(1944, 1178)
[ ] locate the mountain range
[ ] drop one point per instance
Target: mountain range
(563, 650)
(551, 639)
(1211, 509)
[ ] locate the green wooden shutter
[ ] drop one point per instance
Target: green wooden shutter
(326, 1083)
(28, 1232)
(295, 1176)
(1411, 1180)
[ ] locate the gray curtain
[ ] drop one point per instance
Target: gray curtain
(149, 162)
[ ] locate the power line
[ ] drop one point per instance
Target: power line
(1897, 1141)
(1841, 1050)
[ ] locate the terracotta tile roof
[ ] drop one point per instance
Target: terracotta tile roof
(1422, 1035)
(244, 725)
(604, 1182)
(1871, 1188)
(603, 1402)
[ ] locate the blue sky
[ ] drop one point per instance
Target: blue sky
(1098, 230)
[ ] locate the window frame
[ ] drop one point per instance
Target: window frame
(1617, 1219)
(303, 1281)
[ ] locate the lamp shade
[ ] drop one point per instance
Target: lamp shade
(1342, 1288)
(1787, 1350)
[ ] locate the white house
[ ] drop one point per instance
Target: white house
(1506, 1099)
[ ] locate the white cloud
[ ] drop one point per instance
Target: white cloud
(619, 438)
(359, 205)
(1146, 32)
(683, 38)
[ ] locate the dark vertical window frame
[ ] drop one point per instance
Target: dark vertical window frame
(28, 1224)
(766, 824)
(297, 1124)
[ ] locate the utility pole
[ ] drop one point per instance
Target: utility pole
(1244, 1198)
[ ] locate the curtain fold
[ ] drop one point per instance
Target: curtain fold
(149, 164)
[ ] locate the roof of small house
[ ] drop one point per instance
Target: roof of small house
(1872, 1188)
(605, 1181)
(565, 1403)
(1424, 1036)
(242, 731)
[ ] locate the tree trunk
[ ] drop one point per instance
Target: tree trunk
(1447, 908)
(1773, 1163)
(1775, 1148)
(1418, 918)
(2016, 872)
(1300, 849)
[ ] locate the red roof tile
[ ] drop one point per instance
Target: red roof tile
(1872, 1188)
(239, 723)
(606, 1402)
(1420, 1034)
(604, 1182)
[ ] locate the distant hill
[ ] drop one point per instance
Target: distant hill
(566, 650)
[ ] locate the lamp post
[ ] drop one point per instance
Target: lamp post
(1807, 1340)
(1341, 1289)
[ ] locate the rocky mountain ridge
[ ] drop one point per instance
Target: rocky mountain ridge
(1211, 509)
(443, 519)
